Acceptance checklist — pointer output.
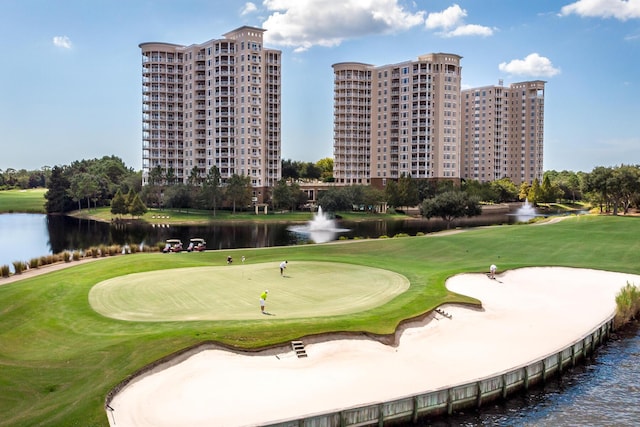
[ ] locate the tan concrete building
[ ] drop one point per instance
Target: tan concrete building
(413, 119)
(395, 120)
(215, 103)
(503, 132)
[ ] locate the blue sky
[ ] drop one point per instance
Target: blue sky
(71, 75)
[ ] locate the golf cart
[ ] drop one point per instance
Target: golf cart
(197, 244)
(172, 245)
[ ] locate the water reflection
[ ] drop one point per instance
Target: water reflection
(22, 237)
(27, 236)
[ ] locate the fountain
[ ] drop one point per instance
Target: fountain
(321, 221)
(320, 229)
(525, 212)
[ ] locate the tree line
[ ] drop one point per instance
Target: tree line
(208, 193)
(89, 183)
(94, 183)
(23, 179)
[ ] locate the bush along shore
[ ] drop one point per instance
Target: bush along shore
(101, 251)
(628, 304)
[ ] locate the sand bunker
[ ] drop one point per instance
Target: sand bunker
(527, 314)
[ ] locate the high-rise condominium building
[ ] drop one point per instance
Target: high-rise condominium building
(212, 104)
(395, 120)
(503, 132)
(413, 119)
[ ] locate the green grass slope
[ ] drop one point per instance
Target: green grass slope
(27, 201)
(59, 357)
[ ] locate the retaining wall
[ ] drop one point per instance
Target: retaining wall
(474, 394)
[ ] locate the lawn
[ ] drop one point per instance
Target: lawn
(23, 201)
(59, 357)
(230, 292)
(195, 216)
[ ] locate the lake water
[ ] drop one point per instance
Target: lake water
(603, 392)
(27, 236)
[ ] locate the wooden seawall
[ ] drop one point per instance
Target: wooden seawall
(447, 401)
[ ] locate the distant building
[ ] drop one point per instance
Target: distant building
(215, 103)
(395, 120)
(503, 132)
(413, 119)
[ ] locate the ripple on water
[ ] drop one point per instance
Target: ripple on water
(603, 392)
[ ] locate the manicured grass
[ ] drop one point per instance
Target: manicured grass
(25, 201)
(230, 292)
(59, 358)
(194, 216)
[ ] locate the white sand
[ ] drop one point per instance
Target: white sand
(526, 315)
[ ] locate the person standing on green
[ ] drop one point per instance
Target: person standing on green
(283, 265)
(263, 299)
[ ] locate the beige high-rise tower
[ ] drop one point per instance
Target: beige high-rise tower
(395, 120)
(503, 132)
(215, 103)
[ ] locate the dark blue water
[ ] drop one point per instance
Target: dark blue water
(605, 391)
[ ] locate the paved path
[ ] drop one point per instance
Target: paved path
(32, 272)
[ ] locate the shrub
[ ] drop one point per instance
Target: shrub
(66, 256)
(384, 236)
(401, 235)
(628, 304)
(34, 263)
(19, 267)
(420, 233)
(76, 256)
(103, 251)
(5, 271)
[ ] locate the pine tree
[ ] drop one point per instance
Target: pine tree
(129, 199)
(137, 207)
(118, 204)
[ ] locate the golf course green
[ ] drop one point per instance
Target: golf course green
(231, 292)
(65, 342)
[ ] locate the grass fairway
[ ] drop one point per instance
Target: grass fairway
(194, 216)
(27, 201)
(59, 357)
(230, 292)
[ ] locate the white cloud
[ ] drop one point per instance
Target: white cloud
(62, 41)
(451, 22)
(302, 24)
(470, 30)
(533, 65)
(448, 18)
(248, 8)
(618, 9)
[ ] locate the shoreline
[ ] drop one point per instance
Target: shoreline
(345, 372)
(32, 272)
